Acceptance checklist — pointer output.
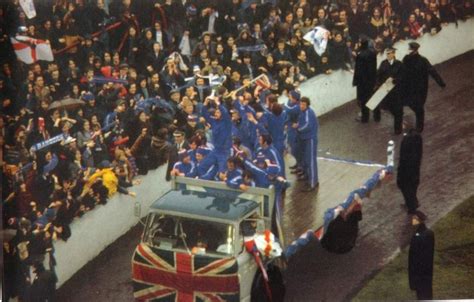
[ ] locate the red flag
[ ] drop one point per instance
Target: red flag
(263, 82)
(30, 50)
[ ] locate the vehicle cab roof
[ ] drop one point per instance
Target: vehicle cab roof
(230, 206)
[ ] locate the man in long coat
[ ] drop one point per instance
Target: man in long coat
(365, 74)
(415, 82)
(392, 68)
(420, 260)
(408, 175)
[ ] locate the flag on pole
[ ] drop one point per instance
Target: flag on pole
(30, 50)
(319, 37)
(216, 80)
(263, 81)
(29, 8)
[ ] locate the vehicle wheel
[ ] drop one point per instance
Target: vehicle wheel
(277, 285)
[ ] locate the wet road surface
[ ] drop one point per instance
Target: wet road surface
(447, 179)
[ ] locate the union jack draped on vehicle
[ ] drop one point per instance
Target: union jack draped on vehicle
(162, 275)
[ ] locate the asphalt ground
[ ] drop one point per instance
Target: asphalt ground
(313, 274)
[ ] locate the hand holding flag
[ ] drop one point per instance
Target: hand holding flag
(29, 50)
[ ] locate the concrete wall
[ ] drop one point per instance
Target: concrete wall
(331, 91)
(97, 229)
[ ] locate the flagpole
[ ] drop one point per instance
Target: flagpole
(94, 35)
(243, 87)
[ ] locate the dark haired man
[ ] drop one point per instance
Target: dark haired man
(307, 132)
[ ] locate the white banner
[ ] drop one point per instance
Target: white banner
(380, 94)
(29, 8)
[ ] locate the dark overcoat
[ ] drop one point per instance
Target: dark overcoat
(415, 78)
(420, 259)
(365, 74)
(411, 152)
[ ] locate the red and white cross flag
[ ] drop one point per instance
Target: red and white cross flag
(30, 50)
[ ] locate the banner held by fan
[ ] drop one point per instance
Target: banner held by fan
(29, 8)
(29, 50)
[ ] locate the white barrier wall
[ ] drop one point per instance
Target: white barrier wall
(327, 92)
(97, 229)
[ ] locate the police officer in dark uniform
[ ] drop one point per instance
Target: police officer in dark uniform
(365, 74)
(415, 82)
(391, 67)
(420, 259)
(408, 174)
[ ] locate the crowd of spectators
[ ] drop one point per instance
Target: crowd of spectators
(143, 70)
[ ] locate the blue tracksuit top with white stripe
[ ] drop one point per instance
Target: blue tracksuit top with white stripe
(221, 129)
(206, 174)
(292, 112)
(308, 124)
(259, 175)
(272, 154)
(248, 130)
(234, 178)
(189, 170)
(276, 128)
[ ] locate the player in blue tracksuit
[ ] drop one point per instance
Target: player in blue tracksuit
(248, 131)
(233, 175)
(209, 173)
(221, 128)
(265, 145)
(259, 171)
(292, 109)
(265, 174)
(276, 119)
(240, 129)
(307, 132)
(184, 167)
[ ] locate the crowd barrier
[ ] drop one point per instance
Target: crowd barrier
(97, 229)
(328, 92)
(93, 232)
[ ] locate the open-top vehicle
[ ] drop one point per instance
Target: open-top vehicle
(193, 246)
(204, 241)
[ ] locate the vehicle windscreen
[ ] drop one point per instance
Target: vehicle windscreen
(189, 235)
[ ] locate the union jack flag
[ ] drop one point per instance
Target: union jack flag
(160, 275)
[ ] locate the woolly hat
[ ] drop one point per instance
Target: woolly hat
(88, 96)
(178, 133)
(120, 102)
(173, 91)
(295, 95)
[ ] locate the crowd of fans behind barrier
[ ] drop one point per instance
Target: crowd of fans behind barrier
(131, 62)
